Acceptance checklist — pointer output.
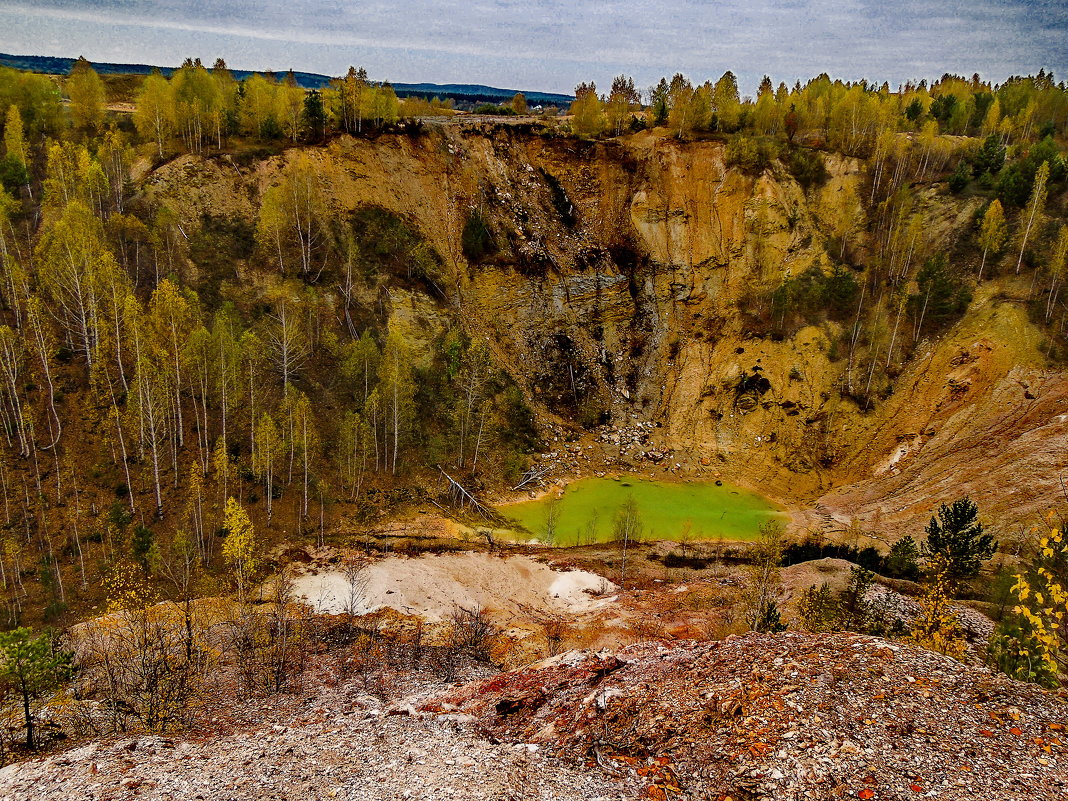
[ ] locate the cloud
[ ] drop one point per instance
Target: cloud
(558, 43)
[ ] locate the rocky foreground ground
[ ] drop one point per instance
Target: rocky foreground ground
(336, 743)
(789, 716)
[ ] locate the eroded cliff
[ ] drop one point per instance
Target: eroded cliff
(630, 280)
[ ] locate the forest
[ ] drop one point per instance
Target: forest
(136, 404)
(138, 397)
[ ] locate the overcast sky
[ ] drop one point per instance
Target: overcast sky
(552, 44)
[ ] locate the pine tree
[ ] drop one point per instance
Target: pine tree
(313, 117)
(30, 668)
(957, 544)
(659, 107)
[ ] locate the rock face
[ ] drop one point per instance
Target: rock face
(788, 716)
(618, 289)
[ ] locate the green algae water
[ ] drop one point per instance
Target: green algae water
(587, 511)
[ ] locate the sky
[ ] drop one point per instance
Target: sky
(551, 45)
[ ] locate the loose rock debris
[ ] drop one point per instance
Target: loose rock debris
(340, 745)
(790, 716)
(758, 716)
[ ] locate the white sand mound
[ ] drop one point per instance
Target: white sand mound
(433, 586)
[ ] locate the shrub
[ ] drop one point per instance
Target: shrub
(1033, 643)
(813, 295)
(491, 109)
(942, 297)
(563, 205)
(936, 628)
(960, 177)
(389, 245)
(1017, 652)
(768, 619)
(807, 167)
(473, 631)
(749, 154)
(819, 608)
(812, 548)
(903, 561)
(477, 241)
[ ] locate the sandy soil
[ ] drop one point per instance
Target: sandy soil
(433, 586)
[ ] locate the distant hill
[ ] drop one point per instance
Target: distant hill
(470, 93)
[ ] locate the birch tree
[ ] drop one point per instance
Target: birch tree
(292, 223)
(1058, 262)
(269, 447)
(12, 362)
(992, 232)
(228, 358)
(86, 92)
(398, 393)
(240, 550)
(150, 403)
(155, 113)
(472, 381)
(286, 339)
(1032, 215)
(15, 144)
(171, 317)
(354, 444)
(72, 259)
(42, 343)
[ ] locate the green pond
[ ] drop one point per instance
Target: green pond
(668, 511)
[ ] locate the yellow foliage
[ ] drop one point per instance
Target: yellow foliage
(239, 549)
(1043, 601)
(937, 628)
(126, 588)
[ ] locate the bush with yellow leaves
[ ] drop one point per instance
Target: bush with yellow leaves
(936, 627)
(1032, 645)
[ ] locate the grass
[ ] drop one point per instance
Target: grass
(668, 510)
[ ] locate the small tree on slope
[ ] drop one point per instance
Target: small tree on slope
(30, 668)
(956, 539)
